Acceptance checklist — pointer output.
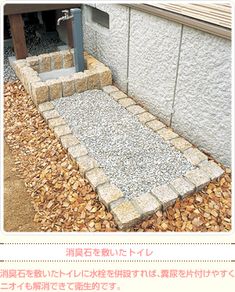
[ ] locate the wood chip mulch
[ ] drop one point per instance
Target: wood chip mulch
(64, 201)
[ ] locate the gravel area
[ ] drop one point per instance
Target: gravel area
(9, 74)
(36, 45)
(135, 158)
(64, 201)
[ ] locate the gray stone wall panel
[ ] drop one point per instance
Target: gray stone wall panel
(154, 48)
(202, 110)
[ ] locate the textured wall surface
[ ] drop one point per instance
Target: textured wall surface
(203, 96)
(89, 34)
(110, 46)
(89, 39)
(154, 49)
(148, 51)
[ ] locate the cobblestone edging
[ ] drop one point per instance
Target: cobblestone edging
(27, 70)
(128, 212)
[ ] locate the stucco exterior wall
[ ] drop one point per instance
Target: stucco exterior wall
(110, 45)
(153, 57)
(180, 74)
(202, 108)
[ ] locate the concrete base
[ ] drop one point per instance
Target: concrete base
(11, 60)
(62, 48)
(55, 74)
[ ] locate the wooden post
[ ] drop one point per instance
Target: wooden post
(18, 37)
(69, 32)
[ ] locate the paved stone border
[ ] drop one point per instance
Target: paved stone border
(27, 70)
(161, 197)
(88, 167)
(128, 212)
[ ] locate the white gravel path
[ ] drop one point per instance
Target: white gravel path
(134, 157)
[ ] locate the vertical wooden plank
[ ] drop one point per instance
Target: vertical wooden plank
(18, 37)
(69, 32)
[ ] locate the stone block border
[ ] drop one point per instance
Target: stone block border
(163, 196)
(128, 212)
(27, 70)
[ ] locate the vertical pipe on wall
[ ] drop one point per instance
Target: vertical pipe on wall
(176, 75)
(128, 49)
(78, 39)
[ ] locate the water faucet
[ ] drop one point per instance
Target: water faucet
(66, 16)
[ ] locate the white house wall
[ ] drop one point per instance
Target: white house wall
(153, 56)
(178, 73)
(202, 108)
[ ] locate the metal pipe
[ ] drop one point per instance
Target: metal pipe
(65, 17)
(78, 39)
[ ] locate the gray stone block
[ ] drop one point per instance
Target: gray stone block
(62, 130)
(212, 169)
(33, 62)
(167, 134)
(55, 88)
(145, 117)
(125, 213)
(147, 203)
(39, 92)
(108, 193)
(155, 125)
(105, 76)
(45, 106)
(52, 123)
(93, 79)
(96, 177)
(86, 163)
(56, 60)
(77, 150)
(198, 177)
(126, 101)
(136, 109)
(165, 194)
(68, 141)
(183, 187)
(118, 95)
(67, 58)
(180, 144)
(44, 62)
(30, 84)
(80, 81)
(68, 86)
(194, 156)
(51, 114)
(110, 88)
